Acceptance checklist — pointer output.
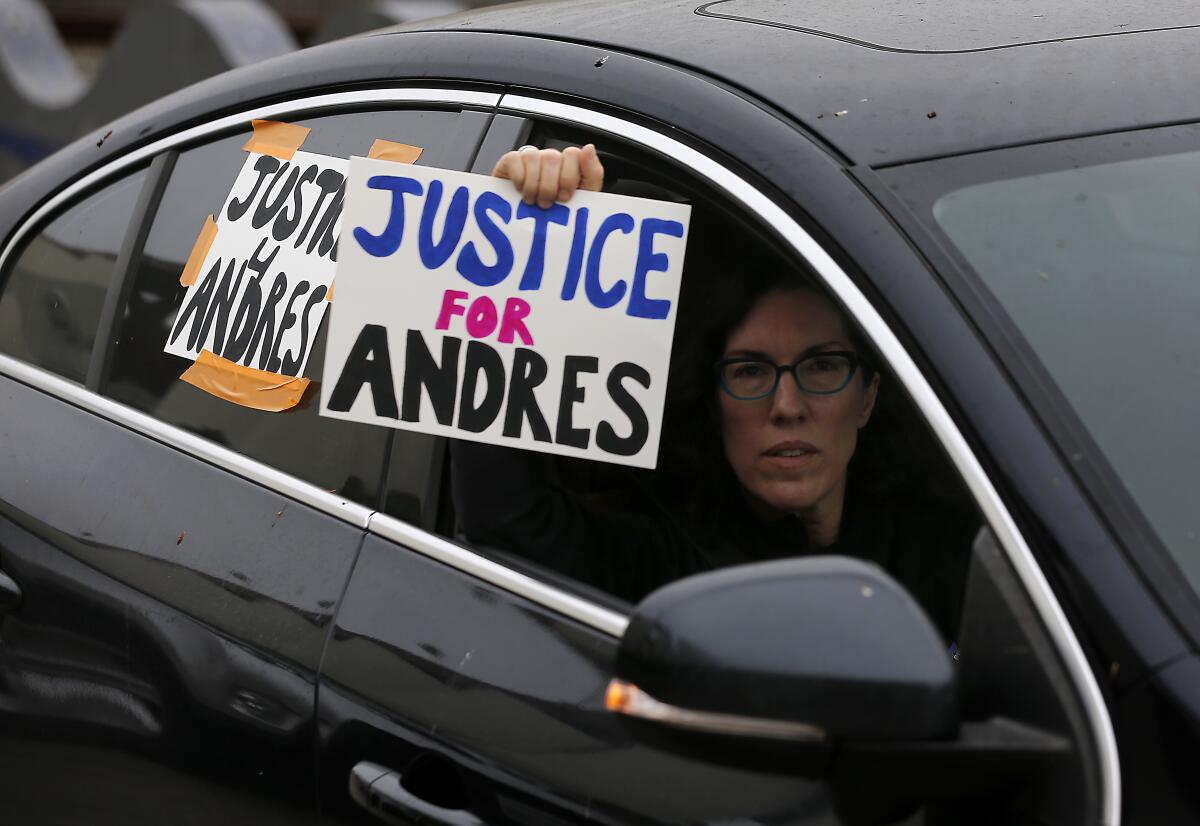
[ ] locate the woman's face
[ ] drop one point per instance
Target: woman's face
(790, 450)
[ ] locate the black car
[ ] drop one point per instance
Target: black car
(218, 614)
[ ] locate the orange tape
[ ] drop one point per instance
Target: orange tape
(392, 151)
(246, 386)
(199, 251)
(275, 138)
(329, 292)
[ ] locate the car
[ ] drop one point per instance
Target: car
(213, 613)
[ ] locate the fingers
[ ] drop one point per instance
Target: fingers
(533, 164)
(568, 176)
(591, 171)
(511, 167)
(548, 175)
(548, 186)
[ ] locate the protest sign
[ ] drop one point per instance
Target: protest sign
(257, 298)
(464, 312)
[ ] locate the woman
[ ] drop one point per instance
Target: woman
(771, 389)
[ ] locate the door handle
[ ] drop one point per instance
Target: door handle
(10, 594)
(381, 792)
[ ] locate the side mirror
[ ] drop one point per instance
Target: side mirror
(770, 666)
(807, 650)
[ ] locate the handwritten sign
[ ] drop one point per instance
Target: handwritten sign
(259, 296)
(462, 311)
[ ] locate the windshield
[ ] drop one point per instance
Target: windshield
(1099, 268)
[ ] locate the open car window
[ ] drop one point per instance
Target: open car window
(616, 533)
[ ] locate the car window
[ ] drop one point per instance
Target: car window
(750, 467)
(350, 459)
(54, 287)
(1098, 266)
(413, 487)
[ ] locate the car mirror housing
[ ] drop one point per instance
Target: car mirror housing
(813, 649)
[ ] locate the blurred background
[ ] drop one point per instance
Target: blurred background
(69, 66)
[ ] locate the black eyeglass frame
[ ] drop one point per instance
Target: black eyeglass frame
(855, 362)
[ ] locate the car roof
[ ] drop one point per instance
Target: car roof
(875, 87)
(890, 83)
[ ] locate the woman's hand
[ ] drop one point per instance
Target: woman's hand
(547, 175)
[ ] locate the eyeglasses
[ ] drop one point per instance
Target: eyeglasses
(821, 374)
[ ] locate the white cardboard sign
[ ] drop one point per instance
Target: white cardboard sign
(259, 297)
(463, 312)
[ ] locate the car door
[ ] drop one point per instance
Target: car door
(1086, 285)
(466, 684)
(484, 685)
(171, 560)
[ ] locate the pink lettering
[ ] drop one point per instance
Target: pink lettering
(516, 310)
(481, 317)
(450, 308)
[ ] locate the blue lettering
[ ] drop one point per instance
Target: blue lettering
(469, 265)
(649, 261)
(557, 214)
(575, 259)
(596, 293)
(433, 255)
(388, 241)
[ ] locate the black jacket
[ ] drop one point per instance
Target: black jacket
(504, 498)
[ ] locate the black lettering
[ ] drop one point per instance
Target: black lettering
(269, 206)
(368, 363)
(264, 331)
(258, 264)
(440, 383)
(286, 224)
(286, 323)
(566, 433)
(327, 226)
(330, 182)
(607, 438)
(197, 307)
(214, 305)
(244, 320)
(290, 367)
(328, 247)
(264, 166)
(224, 304)
(481, 359)
(528, 371)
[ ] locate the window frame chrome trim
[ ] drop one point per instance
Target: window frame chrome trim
(906, 371)
(469, 562)
(195, 446)
(295, 106)
(414, 538)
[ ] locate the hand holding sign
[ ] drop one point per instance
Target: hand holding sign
(465, 312)
(547, 175)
